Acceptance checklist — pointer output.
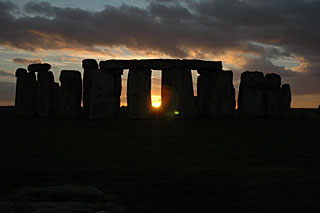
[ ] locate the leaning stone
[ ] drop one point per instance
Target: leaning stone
(89, 66)
(221, 100)
(66, 199)
(177, 92)
(251, 99)
(103, 99)
(39, 67)
(285, 99)
(71, 92)
(272, 95)
(139, 93)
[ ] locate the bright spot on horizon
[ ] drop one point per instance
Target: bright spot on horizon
(156, 101)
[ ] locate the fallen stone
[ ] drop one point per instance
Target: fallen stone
(39, 67)
(272, 95)
(55, 199)
(251, 95)
(71, 92)
(139, 93)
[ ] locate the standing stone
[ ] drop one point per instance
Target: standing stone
(56, 100)
(30, 94)
(139, 93)
(44, 99)
(21, 85)
(118, 87)
(221, 102)
(89, 66)
(71, 91)
(202, 93)
(285, 99)
(250, 99)
(272, 95)
(177, 92)
(103, 95)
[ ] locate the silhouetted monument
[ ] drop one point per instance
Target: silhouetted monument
(259, 95)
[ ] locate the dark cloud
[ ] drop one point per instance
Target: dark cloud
(268, 29)
(6, 73)
(26, 61)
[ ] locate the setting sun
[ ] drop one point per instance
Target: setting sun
(156, 101)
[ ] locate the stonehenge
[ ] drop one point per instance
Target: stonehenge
(98, 95)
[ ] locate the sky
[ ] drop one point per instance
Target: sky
(271, 36)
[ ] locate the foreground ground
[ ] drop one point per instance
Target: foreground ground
(196, 165)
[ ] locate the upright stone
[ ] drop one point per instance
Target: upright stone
(202, 93)
(272, 95)
(31, 94)
(71, 91)
(44, 99)
(103, 95)
(139, 93)
(285, 99)
(251, 98)
(21, 85)
(177, 92)
(89, 66)
(221, 100)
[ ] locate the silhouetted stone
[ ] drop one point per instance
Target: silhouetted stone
(30, 94)
(21, 85)
(221, 101)
(202, 94)
(71, 91)
(251, 98)
(66, 199)
(103, 99)
(44, 101)
(139, 93)
(272, 95)
(177, 92)
(285, 99)
(89, 66)
(118, 87)
(39, 67)
(56, 100)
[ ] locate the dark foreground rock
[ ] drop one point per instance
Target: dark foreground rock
(58, 199)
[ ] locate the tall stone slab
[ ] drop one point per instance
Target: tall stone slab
(285, 99)
(251, 95)
(71, 92)
(139, 93)
(89, 66)
(203, 94)
(272, 95)
(43, 99)
(177, 92)
(221, 99)
(103, 95)
(21, 85)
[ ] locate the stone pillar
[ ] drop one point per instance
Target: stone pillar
(221, 99)
(89, 66)
(272, 95)
(251, 98)
(139, 93)
(71, 91)
(20, 98)
(202, 93)
(285, 99)
(43, 99)
(103, 95)
(177, 92)
(118, 87)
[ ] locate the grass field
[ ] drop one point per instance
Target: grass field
(198, 165)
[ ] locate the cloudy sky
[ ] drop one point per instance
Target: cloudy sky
(272, 36)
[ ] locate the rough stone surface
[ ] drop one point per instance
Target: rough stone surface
(221, 101)
(285, 99)
(177, 92)
(44, 101)
(139, 93)
(103, 99)
(71, 91)
(58, 199)
(39, 67)
(272, 95)
(89, 66)
(251, 95)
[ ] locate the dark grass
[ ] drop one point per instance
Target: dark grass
(196, 165)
